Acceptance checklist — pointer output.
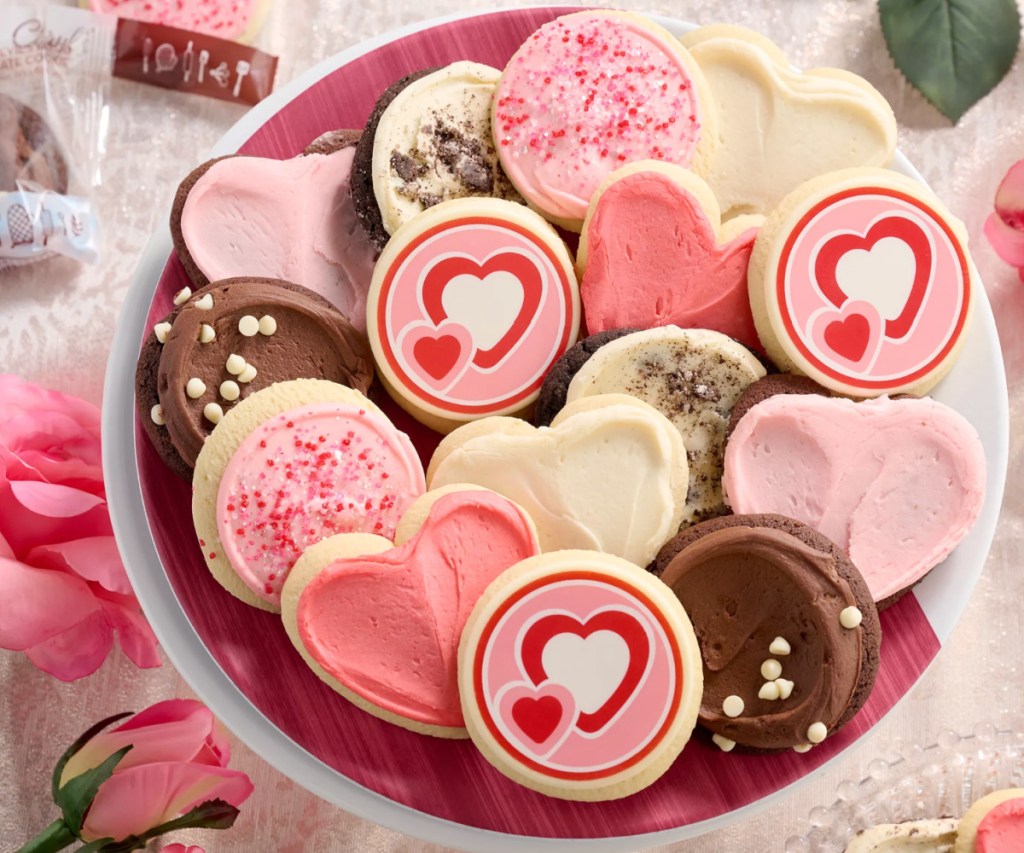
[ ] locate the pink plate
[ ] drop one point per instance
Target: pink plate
(260, 686)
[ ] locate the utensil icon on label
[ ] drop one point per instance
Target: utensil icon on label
(147, 52)
(241, 69)
(221, 74)
(186, 63)
(204, 58)
(166, 58)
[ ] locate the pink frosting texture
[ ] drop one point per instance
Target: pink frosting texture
(307, 474)
(654, 260)
(896, 483)
(289, 219)
(1002, 829)
(584, 95)
(387, 626)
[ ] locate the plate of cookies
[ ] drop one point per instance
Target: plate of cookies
(528, 445)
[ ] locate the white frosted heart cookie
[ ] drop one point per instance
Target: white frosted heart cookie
(692, 376)
(862, 280)
(610, 474)
(290, 465)
(380, 623)
(580, 676)
(471, 303)
(778, 127)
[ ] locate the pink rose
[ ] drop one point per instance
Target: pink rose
(181, 848)
(1005, 227)
(177, 761)
(63, 589)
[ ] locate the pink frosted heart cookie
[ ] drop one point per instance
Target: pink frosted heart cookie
(897, 484)
(588, 93)
(472, 302)
(580, 675)
(861, 279)
(289, 466)
(653, 252)
(380, 622)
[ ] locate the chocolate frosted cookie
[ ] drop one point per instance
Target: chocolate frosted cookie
(428, 140)
(692, 376)
(234, 337)
(29, 152)
(788, 631)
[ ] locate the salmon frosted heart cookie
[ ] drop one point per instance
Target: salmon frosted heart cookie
(471, 304)
(289, 219)
(610, 474)
(653, 252)
(289, 466)
(380, 622)
(896, 483)
(819, 120)
(787, 629)
(692, 376)
(994, 824)
(588, 93)
(580, 676)
(862, 280)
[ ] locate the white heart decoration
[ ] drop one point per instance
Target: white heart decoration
(882, 275)
(486, 306)
(591, 668)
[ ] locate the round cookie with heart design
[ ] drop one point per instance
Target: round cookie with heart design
(861, 279)
(580, 676)
(787, 629)
(822, 120)
(897, 484)
(590, 92)
(993, 824)
(380, 622)
(654, 252)
(288, 219)
(610, 474)
(289, 466)
(472, 302)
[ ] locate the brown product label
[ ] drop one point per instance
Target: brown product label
(192, 62)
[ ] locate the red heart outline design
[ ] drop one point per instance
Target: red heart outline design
(619, 622)
(900, 227)
(521, 266)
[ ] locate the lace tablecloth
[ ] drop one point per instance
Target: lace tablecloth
(58, 318)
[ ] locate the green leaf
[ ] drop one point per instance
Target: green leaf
(78, 793)
(77, 745)
(953, 51)
(214, 814)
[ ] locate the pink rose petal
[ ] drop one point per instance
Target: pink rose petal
(133, 632)
(77, 652)
(94, 558)
(181, 848)
(25, 529)
(53, 500)
(1010, 197)
(142, 797)
(1008, 242)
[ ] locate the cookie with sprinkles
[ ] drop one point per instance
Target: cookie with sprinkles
(590, 92)
(292, 465)
(239, 335)
(787, 628)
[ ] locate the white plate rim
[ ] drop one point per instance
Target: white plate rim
(205, 676)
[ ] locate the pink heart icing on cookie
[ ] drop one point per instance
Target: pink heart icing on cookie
(538, 717)
(438, 356)
(654, 259)
(387, 626)
(851, 335)
(896, 483)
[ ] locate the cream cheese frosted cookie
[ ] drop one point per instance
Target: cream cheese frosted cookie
(380, 623)
(289, 466)
(610, 474)
(861, 279)
(589, 92)
(580, 676)
(471, 303)
(654, 252)
(777, 127)
(937, 835)
(897, 484)
(428, 140)
(693, 377)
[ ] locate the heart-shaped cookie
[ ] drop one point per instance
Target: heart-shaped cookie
(653, 252)
(895, 483)
(381, 623)
(610, 474)
(778, 127)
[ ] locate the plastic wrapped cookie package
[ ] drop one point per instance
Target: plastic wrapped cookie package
(54, 86)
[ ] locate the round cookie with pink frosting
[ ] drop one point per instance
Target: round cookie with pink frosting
(380, 621)
(590, 92)
(291, 465)
(993, 824)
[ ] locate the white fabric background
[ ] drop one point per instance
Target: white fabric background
(56, 322)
